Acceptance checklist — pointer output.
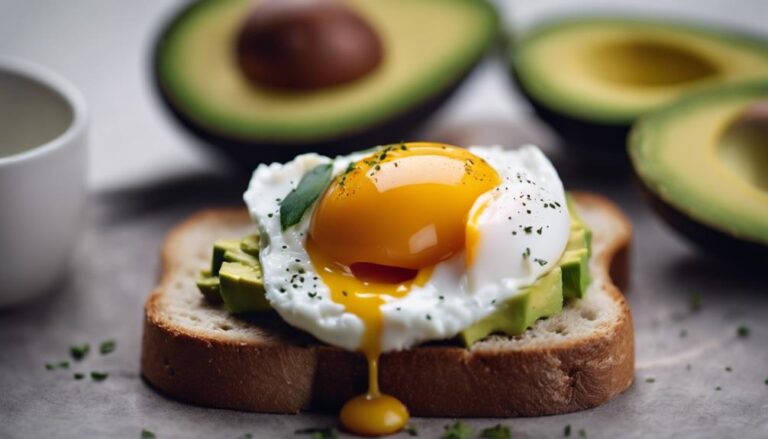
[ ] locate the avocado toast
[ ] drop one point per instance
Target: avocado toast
(200, 353)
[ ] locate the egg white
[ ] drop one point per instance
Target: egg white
(455, 296)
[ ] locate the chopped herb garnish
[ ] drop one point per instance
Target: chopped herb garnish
(567, 430)
(344, 293)
(528, 229)
(527, 252)
(320, 433)
(63, 365)
(766, 381)
(541, 262)
(582, 433)
(146, 434)
(107, 347)
(728, 369)
(650, 380)
(441, 297)
(743, 331)
(695, 303)
(78, 352)
(497, 432)
(539, 230)
(79, 376)
(49, 366)
(718, 388)
(99, 376)
(429, 317)
(412, 431)
(246, 436)
(312, 184)
(458, 430)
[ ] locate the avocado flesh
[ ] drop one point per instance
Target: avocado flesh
(590, 78)
(705, 178)
(242, 288)
(198, 76)
(514, 316)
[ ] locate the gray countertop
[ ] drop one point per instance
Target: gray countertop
(145, 179)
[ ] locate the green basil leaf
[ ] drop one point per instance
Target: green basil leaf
(312, 184)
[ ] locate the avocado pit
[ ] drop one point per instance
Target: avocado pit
(306, 45)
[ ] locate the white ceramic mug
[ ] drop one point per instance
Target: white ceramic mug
(43, 164)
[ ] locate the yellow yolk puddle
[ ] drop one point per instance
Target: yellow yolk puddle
(372, 413)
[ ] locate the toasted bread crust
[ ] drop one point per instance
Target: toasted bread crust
(288, 372)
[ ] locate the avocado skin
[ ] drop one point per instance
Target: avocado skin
(245, 154)
(710, 239)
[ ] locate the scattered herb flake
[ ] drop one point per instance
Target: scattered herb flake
(582, 433)
(107, 347)
(320, 433)
(458, 430)
(146, 434)
(541, 262)
(79, 351)
(695, 302)
(539, 230)
(63, 365)
(411, 430)
(567, 430)
(728, 369)
(49, 366)
(79, 376)
(99, 376)
(246, 436)
(650, 380)
(497, 432)
(528, 229)
(718, 388)
(743, 331)
(766, 381)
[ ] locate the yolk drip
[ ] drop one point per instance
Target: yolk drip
(378, 230)
(373, 413)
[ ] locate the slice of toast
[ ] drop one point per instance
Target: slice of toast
(199, 353)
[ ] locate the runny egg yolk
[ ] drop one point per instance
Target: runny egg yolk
(378, 230)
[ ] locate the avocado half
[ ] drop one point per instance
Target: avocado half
(430, 46)
(590, 78)
(706, 172)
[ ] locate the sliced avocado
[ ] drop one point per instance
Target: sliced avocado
(590, 78)
(250, 245)
(220, 247)
(209, 287)
(513, 317)
(575, 259)
(242, 288)
(429, 48)
(703, 163)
